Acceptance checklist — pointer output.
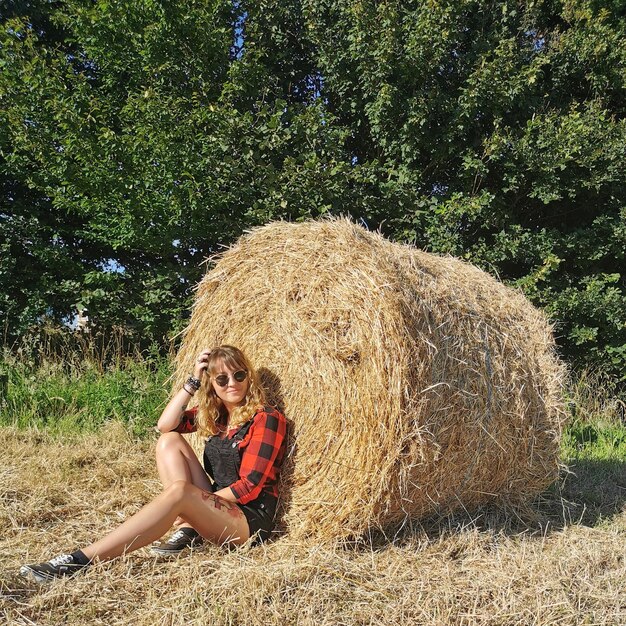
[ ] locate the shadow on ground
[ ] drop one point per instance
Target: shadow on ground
(588, 493)
(592, 491)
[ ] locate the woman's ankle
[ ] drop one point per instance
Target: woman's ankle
(80, 557)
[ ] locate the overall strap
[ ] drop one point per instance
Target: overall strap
(243, 431)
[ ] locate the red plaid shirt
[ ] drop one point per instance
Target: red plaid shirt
(262, 452)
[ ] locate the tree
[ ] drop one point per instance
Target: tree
(504, 123)
(139, 137)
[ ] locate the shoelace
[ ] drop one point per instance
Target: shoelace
(62, 559)
(179, 534)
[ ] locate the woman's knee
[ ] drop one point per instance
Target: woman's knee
(168, 443)
(180, 491)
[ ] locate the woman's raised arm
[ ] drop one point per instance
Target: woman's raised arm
(173, 412)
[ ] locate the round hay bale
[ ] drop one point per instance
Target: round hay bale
(414, 384)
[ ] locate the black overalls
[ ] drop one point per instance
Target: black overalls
(222, 460)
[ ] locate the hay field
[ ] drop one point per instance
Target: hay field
(564, 564)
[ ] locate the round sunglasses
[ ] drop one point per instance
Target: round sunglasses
(239, 376)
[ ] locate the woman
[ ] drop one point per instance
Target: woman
(242, 455)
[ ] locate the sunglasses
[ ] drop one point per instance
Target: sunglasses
(239, 376)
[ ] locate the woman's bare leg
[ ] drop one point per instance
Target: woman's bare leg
(176, 460)
(213, 517)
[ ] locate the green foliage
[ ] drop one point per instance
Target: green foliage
(594, 452)
(599, 441)
(594, 441)
(504, 125)
(149, 143)
(137, 138)
(68, 399)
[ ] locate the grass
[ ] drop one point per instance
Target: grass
(594, 449)
(77, 457)
(65, 398)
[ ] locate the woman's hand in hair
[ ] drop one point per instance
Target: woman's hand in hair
(201, 364)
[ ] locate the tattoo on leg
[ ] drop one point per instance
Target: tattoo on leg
(220, 504)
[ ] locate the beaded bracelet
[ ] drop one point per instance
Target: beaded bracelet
(193, 382)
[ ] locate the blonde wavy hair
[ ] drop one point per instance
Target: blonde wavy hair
(210, 406)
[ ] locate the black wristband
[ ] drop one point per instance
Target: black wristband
(193, 382)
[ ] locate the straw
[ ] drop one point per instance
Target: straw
(414, 384)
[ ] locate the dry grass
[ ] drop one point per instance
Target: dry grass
(58, 494)
(415, 384)
(446, 382)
